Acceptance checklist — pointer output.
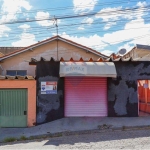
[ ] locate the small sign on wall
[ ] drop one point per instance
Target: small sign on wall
(49, 87)
(145, 85)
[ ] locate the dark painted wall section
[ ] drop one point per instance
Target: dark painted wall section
(49, 106)
(122, 91)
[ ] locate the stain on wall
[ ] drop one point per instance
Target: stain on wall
(49, 106)
(122, 91)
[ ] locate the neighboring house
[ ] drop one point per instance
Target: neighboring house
(17, 62)
(139, 52)
(114, 56)
(7, 50)
(1, 54)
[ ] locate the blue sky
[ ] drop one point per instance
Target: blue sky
(113, 25)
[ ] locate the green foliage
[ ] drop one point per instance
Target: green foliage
(10, 139)
(23, 138)
(123, 128)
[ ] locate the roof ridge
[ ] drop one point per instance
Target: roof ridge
(47, 40)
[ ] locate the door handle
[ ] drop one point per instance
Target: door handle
(25, 112)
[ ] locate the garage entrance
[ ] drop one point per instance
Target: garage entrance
(13, 107)
(85, 96)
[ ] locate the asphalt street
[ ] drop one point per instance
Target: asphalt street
(123, 139)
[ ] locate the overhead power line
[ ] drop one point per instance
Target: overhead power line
(78, 16)
(64, 28)
(116, 42)
(136, 10)
(47, 54)
(43, 32)
(95, 22)
(71, 7)
(61, 51)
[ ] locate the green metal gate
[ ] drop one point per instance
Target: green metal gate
(13, 107)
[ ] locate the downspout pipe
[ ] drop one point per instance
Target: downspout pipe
(1, 69)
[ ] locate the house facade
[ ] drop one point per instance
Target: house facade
(7, 50)
(19, 89)
(71, 81)
(55, 47)
(116, 93)
(139, 52)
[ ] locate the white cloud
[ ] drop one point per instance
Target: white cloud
(142, 32)
(141, 12)
(15, 5)
(141, 4)
(84, 5)
(94, 41)
(44, 15)
(26, 39)
(3, 30)
(126, 46)
(88, 20)
(107, 52)
(24, 27)
(114, 14)
(109, 25)
(9, 9)
(8, 17)
(80, 28)
(54, 34)
(134, 32)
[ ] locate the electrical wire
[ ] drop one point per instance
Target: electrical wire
(75, 16)
(47, 54)
(62, 29)
(85, 32)
(70, 7)
(83, 15)
(120, 41)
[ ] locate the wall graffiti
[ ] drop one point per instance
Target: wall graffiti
(122, 91)
(49, 106)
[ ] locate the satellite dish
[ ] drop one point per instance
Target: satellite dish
(122, 51)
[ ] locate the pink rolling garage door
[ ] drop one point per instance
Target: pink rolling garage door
(85, 96)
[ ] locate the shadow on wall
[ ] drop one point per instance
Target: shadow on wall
(49, 106)
(122, 91)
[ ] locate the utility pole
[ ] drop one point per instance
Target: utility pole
(55, 19)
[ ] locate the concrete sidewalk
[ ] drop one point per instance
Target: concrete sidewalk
(72, 124)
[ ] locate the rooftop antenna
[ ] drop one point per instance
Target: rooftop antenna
(55, 22)
(122, 51)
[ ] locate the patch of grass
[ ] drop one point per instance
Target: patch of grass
(10, 139)
(57, 135)
(104, 126)
(31, 138)
(123, 128)
(23, 138)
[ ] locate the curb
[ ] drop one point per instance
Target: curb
(100, 129)
(68, 133)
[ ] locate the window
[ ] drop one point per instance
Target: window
(16, 72)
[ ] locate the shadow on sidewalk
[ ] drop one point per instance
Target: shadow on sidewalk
(98, 137)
